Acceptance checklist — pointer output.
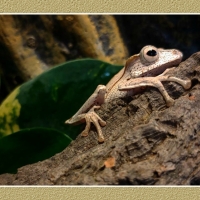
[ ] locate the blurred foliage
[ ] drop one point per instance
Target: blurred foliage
(29, 146)
(31, 44)
(47, 101)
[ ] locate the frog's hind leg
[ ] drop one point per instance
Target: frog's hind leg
(92, 117)
(87, 113)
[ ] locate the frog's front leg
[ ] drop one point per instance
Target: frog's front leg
(87, 113)
(155, 82)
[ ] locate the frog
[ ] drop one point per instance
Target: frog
(147, 68)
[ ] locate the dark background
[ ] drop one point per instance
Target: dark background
(168, 31)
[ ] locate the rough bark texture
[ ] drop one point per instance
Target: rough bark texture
(146, 142)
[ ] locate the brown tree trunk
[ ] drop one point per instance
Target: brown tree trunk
(146, 142)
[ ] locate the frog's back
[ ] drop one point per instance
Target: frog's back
(121, 77)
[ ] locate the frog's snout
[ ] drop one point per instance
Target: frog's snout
(177, 52)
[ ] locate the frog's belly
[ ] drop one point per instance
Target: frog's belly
(115, 94)
(119, 94)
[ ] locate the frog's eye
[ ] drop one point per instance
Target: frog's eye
(149, 54)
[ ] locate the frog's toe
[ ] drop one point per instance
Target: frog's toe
(96, 120)
(101, 139)
(170, 102)
(84, 133)
(92, 117)
(102, 122)
(188, 84)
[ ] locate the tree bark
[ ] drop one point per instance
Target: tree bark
(146, 143)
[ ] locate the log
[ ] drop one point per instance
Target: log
(146, 143)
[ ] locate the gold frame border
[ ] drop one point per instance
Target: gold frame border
(103, 6)
(99, 193)
(93, 6)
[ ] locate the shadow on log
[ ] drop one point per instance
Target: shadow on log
(146, 142)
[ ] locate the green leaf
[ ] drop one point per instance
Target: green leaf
(29, 146)
(51, 98)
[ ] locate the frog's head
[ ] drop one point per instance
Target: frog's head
(156, 60)
(151, 55)
(152, 61)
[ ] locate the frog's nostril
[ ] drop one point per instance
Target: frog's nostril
(175, 51)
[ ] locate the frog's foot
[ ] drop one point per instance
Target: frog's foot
(92, 117)
(169, 102)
